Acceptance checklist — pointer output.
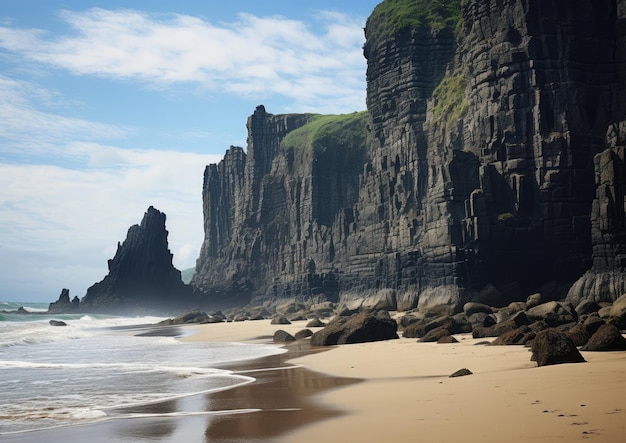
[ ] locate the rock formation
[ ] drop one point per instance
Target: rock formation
(470, 177)
(141, 275)
(63, 304)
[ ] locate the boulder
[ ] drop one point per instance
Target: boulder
(57, 323)
(605, 312)
(618, 312)
(315, 323)
(591, 322)
(482, 319)
(586, 307)
(553, 313)
(472, 308)
(435, 334)
(519, 336)
(302, 334)
(579, 335)
(533, 300)
(552, 347)
(282, 336)
(460, 324)
(193, 316)
(455, 324)
(460, 373)
(360, 328)
(447, 339)
(606, 338)
(280, 320)
(407, 319)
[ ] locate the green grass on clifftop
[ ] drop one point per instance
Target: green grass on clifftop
(394, 16)
(344, 131)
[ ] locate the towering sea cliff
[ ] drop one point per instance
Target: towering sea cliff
(470, 177)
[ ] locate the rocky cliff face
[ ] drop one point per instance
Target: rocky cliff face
(472, 179)
(141, 275)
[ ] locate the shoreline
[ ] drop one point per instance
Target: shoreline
(396, 390)
(279, 400)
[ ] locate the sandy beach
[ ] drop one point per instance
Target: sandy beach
(396, 390)
(406, 394)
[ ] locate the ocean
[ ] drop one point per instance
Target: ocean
(99, 368)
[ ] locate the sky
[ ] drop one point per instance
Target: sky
(109, 107)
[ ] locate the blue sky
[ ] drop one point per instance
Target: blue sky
(108, 107)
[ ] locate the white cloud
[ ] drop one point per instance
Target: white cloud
(30, 123)
(253, 56)
(57, 220)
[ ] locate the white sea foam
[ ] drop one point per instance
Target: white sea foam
(86, 371)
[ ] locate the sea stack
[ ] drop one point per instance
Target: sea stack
(141, 275)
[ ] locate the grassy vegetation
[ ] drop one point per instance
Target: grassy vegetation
(344, 131)
(449, 99)
(394, 16)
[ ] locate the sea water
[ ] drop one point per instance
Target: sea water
(97, 365)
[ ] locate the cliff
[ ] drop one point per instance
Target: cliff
(141, 275)
(470, 177)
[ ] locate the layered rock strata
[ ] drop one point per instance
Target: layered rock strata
(472, 179)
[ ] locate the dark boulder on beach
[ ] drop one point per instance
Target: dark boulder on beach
(360, 328)
(519, 336)
(579, 335)
(282, 336)
(606, 338)
(552, 347)
(435, 335)
(302, 334)
(460, 373)
(280, 320)
(516, 321)
(447, 339)
(454, 324)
